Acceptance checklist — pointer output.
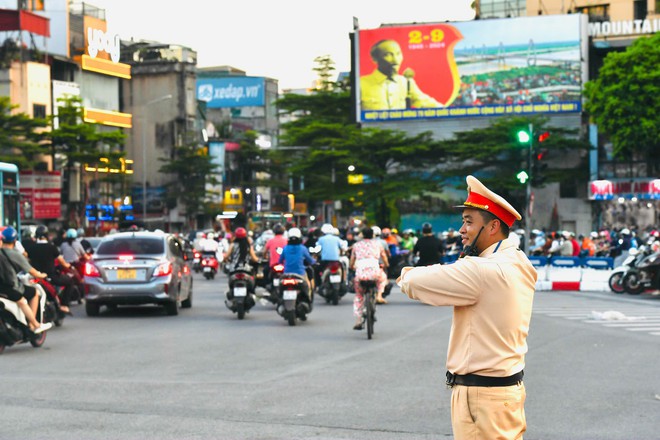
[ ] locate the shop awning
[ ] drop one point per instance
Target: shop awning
(19, 20)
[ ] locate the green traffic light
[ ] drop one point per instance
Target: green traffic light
(522, 176)
(523, 136)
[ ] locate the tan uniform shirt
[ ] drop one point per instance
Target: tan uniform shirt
(492, 297)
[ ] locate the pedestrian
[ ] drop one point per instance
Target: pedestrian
(491, 288)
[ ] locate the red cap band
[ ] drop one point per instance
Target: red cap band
(478, 201)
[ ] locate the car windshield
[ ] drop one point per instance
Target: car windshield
(132, 245)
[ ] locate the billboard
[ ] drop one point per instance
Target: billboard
(40, 194)
(497, 67)
(233, 91)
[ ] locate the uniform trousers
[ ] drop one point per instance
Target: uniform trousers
(492, 413)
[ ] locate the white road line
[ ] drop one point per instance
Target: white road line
(644, 329)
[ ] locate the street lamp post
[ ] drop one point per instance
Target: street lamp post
(145, 120)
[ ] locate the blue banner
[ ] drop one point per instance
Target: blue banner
(234, 91)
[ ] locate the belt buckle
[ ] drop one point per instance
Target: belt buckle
(451, 380)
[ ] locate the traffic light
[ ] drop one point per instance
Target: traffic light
(523, 136)
(539, 165)
(522, 176)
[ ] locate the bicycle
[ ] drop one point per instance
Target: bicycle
(369, 313)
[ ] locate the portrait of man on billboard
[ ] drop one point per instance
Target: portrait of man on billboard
(387, 89)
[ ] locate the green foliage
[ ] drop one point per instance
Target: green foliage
(82, 142)
(623, 100)
(22, 138)
(192, 168)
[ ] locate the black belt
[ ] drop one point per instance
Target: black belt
(474, 380)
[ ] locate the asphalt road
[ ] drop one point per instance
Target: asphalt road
(135, 373)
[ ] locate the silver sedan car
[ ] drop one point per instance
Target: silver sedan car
(132, 268)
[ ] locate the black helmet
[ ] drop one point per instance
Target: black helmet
(278, 229)
(41, 232)
(427, 228)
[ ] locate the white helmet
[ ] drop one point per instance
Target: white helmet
(294, 233)
(376, 230)
(210, 236)
(327, 228)
(335, 231)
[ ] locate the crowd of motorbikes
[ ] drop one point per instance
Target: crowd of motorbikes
(332, 281)
(14, 328)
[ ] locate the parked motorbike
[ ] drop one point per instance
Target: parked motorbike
(645, 275)
(332, 286)
(634, 257)
(241, 297)
(294, 301)
(197, 262)
(14, 328)
(209, 265)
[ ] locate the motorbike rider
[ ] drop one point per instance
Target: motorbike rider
(24, 296)
(294, 256)
(331, 249)
(42, 255)
(365, 260)
(274, 246)
(72, 250)
(429, 248)
(240, 252)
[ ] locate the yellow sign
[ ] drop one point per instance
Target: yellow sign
(355, 179)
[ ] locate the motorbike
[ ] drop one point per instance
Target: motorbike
(261, 274)
(241, 295)
(197, 262)
(273, 286)
(14, 328)
(294, 302)
(633, 259)
(645, 275)
(53, 308)
(209, 265)
(332, 286)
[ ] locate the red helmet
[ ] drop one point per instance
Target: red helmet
(240, 233)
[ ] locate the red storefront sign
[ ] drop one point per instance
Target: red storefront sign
(41, 194)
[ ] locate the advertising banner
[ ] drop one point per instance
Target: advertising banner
(642, 189)
(497, 67)
(41, 194)
(234, 91)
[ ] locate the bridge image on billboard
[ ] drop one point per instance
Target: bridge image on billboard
(469, 69)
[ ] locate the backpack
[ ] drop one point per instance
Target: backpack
(7, 272)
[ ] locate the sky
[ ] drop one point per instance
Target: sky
(273, 38)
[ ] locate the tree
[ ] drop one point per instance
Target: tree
(192, 168)
(321, 143)
(623, 101)
(78, 142)
(495, 154)
(20, 132)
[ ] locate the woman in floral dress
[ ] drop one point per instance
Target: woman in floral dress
(365, 258)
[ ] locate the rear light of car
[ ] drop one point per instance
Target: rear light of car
(163, 269)
(91, 270)
(278, 268)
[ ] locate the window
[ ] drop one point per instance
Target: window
(131, 246)
(640, 9)
(502, 8)
(38, 111)
(596, 12)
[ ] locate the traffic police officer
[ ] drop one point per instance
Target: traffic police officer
(491, 289)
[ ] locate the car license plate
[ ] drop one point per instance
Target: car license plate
(276, 282)
(290, 294)
(240, 291)
(207, 269)
(126, 274)
(335, 278)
